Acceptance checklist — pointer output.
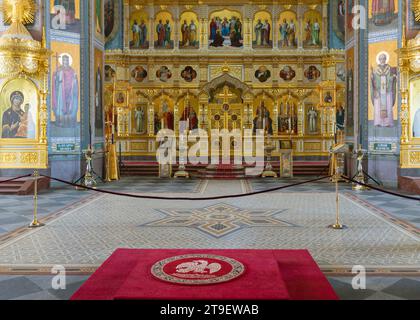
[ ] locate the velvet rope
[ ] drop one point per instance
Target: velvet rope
(381, 189)
(186, 198)
(14, 179)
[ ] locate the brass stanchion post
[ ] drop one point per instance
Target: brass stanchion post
(35, 223)
(337, 225)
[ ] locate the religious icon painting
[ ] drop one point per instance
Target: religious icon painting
(111, 17)
(164, 31)
(226, 29)
(65, 89)
(328, 98)
(19, 110)
(287, 73)
(98, 18)
(139, 119)
(189, 31)
(262, 30)
(263, 74)
(338, 20)
(109, 73)
(415, 107)
(189, 74)
(288, 30)
(164, 74)
(312, 73)
(139, 74)
(312, 29)
(65, 15)
(139, 35)
(383, 13)
(383, 84)
(341, 72)
(120, 98)
(412, 25)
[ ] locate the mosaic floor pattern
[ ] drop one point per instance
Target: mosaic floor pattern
(85, 236)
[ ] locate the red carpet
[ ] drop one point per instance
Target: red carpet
(269, 275)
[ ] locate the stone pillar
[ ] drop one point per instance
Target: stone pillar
(300, 23)
(152, 33)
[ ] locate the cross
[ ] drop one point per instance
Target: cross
(225, 95)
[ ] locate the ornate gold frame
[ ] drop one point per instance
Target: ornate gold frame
(409, 64)
(21, 57)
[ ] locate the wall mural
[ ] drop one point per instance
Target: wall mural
(262, 30)
(413, 26)
(19, 110)
(98, 17)
(383, 12)
(65, 15)
(337, 18)
(189, 31)
(383, 84)
(111, 19)
(226, 29)
(65, 94)
(139, 35)
(288, 29)
(164, 31)
(350, 92)
(312, 34)
(98, 112)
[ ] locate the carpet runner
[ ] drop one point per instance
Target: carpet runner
(269, 275)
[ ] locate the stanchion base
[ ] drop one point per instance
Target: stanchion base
(269, 174)
(35, 224)
(358, 187)
(181, 174)
(337, 226)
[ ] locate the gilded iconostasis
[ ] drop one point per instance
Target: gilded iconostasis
(174, 61)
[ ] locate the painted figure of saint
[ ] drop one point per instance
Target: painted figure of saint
(284, 29)
(316, 29)
(416, 124)
(213, 29)
(98, 104)
(308, 31)
(136, 34)
(258, 32)
(160, 31)
(193, 33)
(292, 33)
(142, 34)
(70, 8)
(185, 33)
(190, 117)
(167, 121)
(12, 117)
(168, 30)
(312, 123)
(27, 124)
(263, 120)
(384, 91)
(266, 33)
(225, 27)
(383, 11)
(139, 116)
(340, 118)
(65, 94)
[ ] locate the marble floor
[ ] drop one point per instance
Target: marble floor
(84, 228)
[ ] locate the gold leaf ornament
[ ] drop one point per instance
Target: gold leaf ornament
(22, 11)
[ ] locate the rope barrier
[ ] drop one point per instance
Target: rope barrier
(14, 179)
(187, 198)
(381, 189)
